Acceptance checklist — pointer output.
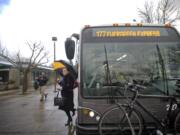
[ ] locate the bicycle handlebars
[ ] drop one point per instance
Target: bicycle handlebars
(135, 87)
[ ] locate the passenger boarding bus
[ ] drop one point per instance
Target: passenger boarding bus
(146, 54)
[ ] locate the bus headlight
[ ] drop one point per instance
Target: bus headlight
(91, 114)
(97, 118)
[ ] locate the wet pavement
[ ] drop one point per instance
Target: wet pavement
(26, 115)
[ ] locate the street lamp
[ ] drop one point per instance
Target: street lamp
(75, 35)
(55, 77)
(54, 39)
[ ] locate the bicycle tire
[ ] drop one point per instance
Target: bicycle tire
(138, 127)
(109, 122)
(177, 124)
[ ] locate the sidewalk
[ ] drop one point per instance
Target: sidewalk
(16, 91)
(26, 115)
(9, 92)
(19, 91)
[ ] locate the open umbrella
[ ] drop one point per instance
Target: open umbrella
(58, 65)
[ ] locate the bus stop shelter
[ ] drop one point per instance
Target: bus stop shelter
(5, 67)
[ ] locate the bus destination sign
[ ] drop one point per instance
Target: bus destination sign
(143, 33)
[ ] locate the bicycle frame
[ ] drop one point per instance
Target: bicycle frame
(163, 124)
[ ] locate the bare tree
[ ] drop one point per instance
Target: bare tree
(3, 50)
(25, 65)
(146, 14)
(162, 12)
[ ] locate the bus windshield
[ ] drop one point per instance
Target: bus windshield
(151, 59)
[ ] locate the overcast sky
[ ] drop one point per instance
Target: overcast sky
(39, 20)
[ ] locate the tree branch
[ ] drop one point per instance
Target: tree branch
(38, 54)
(147, 13)
(45, 54)
(33, 51)
(165, 11)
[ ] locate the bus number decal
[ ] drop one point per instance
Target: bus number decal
(174, 107)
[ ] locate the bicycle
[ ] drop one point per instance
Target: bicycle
(117, 120)
(137, 123)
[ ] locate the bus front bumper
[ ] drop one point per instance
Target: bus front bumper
(87, 129)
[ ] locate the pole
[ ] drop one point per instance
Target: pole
(55, 75)
(77, 58)
(54, 50)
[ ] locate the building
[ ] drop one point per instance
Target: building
(12, 78)
(8, 74)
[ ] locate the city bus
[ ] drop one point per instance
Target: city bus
(146, 54)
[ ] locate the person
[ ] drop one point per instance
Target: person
(42, 80)
(67, 84)
(36, 84)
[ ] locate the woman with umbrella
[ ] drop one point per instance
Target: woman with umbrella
(67, 84)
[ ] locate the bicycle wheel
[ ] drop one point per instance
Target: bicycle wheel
(115, 121)
(136, 120)
(177, 124)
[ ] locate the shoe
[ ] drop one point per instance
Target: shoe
(45, 96)
(41, 99)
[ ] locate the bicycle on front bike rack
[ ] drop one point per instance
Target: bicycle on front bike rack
(126, 119)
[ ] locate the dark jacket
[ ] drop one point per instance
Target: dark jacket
(42, 80)
(67, 84)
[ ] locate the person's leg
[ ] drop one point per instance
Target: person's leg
(45, 92)
(46, 95)
(73, 111)
(42, 93)
(69, 117)
(72, 103)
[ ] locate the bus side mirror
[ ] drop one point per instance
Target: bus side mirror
(70, 48)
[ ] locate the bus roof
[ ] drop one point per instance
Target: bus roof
(131, 24)
(131, 32)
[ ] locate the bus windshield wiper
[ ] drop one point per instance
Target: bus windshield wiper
(163, 69)
(108, 77)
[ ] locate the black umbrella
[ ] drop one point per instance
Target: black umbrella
(69, 67)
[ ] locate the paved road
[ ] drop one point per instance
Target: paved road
(26, 115)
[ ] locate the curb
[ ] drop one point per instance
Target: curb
(8, 92)
(16, 91)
